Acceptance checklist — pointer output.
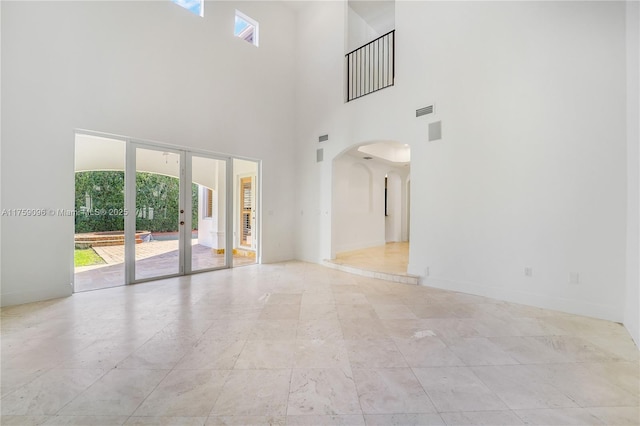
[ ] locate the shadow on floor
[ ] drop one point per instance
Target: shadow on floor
(155, 266)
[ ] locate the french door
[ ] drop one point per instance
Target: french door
(178, 225)
(178, 209)
(210, 182)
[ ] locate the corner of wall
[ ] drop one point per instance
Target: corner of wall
(1, 168)
(632, 299)
(20, 298)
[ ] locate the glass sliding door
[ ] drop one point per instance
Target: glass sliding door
(147, 211)
(159, 213)
(207, 247)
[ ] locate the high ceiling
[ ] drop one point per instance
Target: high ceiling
(379, 14)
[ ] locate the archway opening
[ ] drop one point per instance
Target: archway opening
(370, 220)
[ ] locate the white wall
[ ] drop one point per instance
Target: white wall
(149, 70)
(358, 200)
(1, 150)
(531, 168)
(368, 20)
(395, 210)
(360, 32)
(632, 306)
(320, 51)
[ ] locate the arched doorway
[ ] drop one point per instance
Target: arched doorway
(370, 205)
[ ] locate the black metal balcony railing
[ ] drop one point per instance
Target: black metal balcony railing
(371, 67)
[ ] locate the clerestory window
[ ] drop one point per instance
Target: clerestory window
(194, 6)
(246, 28)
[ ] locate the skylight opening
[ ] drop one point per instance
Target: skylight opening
(194, 6)
(246, 28)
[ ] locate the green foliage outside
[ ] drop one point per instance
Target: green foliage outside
(99, 190)
(86, 257)
(99, 202)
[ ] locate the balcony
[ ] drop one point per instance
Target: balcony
(371, 67)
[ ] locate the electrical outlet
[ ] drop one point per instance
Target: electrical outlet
(528, 271)
(426, 271)
(574, 278)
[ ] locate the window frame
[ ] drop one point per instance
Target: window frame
(184, 6)
(207, 206)
(251, 23)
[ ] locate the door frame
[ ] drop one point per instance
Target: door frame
(254, 210)
(188, 225)
(131, 154)
(186, 154)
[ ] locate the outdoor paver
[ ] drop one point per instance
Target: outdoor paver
(153, 259)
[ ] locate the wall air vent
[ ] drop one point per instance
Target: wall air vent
(323, 138)
(367, 158)
(424, 111)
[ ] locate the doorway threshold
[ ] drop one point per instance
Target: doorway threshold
(386, 262)
(387, 276)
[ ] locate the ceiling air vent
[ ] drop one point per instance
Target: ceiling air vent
(323, 138)
(424, 111)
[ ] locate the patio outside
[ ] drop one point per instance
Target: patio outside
(153, 258)
(164, 203)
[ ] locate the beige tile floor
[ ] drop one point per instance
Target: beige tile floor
(391, 258)
(300, 344)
